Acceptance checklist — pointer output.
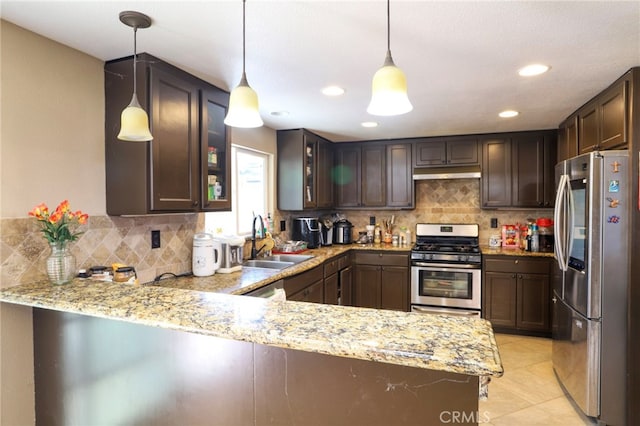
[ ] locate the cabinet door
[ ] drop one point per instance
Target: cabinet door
(431, 152)
(215, 152)
(496, 173)
(175, 181)
(613, 116)
(533, 302)
(373, 176)
(500, 298)
(366, 286)
(346, 286)
(394, 287)
(313, 293)
(399, 176)
(310, 164)
(331, 291)
(568, 139)
(588, 128)
(462, 151)
(347, 176)
(324, 189)
(549, 169)
(527, 182)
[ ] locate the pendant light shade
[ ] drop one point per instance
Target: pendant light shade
(389, 86)
(243, 101)
(134, 121)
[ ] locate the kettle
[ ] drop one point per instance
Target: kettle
(207, 255)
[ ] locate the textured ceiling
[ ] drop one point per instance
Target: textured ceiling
(460, 58)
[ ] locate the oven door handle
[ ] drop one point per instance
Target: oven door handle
(438, 266)
(461, 313)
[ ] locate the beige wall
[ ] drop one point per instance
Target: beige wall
(52, 125)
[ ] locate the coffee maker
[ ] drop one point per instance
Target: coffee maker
(231, 253)
(306, 229)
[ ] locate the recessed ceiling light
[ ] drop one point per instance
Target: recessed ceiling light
(369, 124)
(279, 113)
(533, 69)
(333, 91)
(508, 113)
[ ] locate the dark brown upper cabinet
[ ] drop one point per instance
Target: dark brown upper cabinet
(305, 163)
(568, 139)
(166, 174)
(518, 170)
(446, 151)
(603, 122)
(373, 174)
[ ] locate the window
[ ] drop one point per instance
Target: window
(251, 175)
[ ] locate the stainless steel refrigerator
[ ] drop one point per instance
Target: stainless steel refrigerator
(592, 227)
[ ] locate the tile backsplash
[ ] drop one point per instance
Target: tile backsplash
(127, 240)
(447, 201)
(106, 240)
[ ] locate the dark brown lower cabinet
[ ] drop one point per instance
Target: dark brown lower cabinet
(306, 287)
(517, 294)
(132, 374)
(381, 281)
(338, 288)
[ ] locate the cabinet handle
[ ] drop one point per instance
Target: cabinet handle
(514, 276)
(195, 203)
(516, 262)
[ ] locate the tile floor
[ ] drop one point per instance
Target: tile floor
(528, 393)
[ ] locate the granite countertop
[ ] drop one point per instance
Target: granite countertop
(249, 279)
(499, 251)
(437, 342)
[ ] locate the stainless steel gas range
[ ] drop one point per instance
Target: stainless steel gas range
(446, 269)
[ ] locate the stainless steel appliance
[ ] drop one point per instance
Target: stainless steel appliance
(231, 253)
(306, 229)
(343, 232)
(591, 221)
(446, 272)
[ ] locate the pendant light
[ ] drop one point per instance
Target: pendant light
(243, 101)
(134, 122)
(389, 86)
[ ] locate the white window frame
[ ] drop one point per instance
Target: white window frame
(234, 216)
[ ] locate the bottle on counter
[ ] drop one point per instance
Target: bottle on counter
(535, 241)
(377, 235)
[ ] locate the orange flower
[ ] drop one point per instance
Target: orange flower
(39, 211)
(56, 226)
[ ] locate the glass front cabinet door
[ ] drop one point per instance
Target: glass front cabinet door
(215, 152)
(310, 153)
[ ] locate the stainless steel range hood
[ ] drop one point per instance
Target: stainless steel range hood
(455, 172)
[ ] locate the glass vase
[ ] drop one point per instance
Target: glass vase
(61, 264)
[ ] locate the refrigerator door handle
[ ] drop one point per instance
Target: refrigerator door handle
(560, 246)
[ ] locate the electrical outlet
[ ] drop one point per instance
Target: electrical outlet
(283, 225)
(494, 222)
(155, 239)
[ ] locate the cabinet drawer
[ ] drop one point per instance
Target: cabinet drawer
(344, 261)
(517, 265)
(298, 282)
(382, 259)
(331, 267)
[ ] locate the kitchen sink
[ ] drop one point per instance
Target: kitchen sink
(293, 258)
(265, 263)
(277, 261)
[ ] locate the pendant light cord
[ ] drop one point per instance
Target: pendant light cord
(135, 59)
(388, 27)
(244, 4)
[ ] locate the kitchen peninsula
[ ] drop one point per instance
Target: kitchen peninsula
(149, 354)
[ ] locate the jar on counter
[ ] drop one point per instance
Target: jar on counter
(125, 274)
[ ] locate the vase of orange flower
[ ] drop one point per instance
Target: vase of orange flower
(58, 228)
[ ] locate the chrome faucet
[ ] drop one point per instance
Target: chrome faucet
(254, 251)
